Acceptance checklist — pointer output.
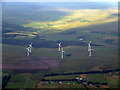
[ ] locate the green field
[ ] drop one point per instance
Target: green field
(45, 26)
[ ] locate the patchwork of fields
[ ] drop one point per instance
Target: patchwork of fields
(77, 18)
(45, 27)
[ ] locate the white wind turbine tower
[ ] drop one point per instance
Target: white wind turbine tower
(28, 51)
(30, 46)
(90, 49)
(59, 46)
(62, 53)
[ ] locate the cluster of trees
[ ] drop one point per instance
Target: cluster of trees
(5, 80)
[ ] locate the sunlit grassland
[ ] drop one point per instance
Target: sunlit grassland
(97, 38)
(65, 77)
(21, 34)
(54, 28)
(77, 18)
(101, 78)
(96, 78)
(91, 77)
(79, 60)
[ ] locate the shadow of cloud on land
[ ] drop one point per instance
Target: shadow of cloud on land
(45, 43)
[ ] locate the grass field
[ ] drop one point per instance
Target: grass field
(79, 60)
(45, 26)
(58, 85)
(77, 18)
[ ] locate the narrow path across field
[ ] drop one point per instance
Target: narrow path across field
(26, 82)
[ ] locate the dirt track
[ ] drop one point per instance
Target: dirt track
(34, 63)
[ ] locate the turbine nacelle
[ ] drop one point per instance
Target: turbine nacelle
(30, 46)
(59, 46)
(89, 44)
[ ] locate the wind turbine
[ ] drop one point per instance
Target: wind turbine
(59, 46)
(28, 51)
(90, 49)
(30, 46)
(62, 53)
(89, 45)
